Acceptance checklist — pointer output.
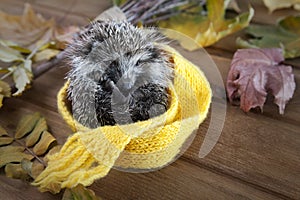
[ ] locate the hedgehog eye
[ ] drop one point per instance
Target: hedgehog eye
(138, 63)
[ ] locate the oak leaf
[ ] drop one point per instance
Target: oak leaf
(205, 30)
(253, 73)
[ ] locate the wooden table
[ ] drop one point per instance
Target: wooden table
(256, 157)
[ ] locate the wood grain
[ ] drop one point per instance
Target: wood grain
(256, 157)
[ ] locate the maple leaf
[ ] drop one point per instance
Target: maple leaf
(253, 73)
(205, 30)
(27, 29)
(285, 35)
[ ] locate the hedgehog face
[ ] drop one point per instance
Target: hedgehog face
(122, 53)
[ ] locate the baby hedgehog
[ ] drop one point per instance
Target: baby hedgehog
(119, 74)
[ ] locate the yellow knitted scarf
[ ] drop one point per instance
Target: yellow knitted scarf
(89, 154)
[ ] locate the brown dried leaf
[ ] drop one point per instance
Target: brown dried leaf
(42, 146)
(16, 171)
(26, 124)
(253, 72)
(6, 140)
(27, 29)
(34, 136)
(52, 151)
(5, 91)
(3, 132)
(36, 169)
(79, 193)
(9, 154)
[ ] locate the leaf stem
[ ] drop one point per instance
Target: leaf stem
(31, 152)
(7, 74)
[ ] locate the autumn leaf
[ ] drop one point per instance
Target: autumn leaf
(8, 54)
(5, 91)
(27, 29)
(22, 76)
(26, 124)
(278, 4)
(3, 132)
(43, 145)
(79, 193)
(10, 154)
(285, 34)
(21, 153)
(45, 54)
(34, 136)
(253, 73)
(205, 30)
(16, 171)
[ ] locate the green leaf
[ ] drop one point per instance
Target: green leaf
(205, 30)
(26, 124)
(285, 35)
(8, 54)
(43, 145)
(16, 171)
(22, 76)
(6, 140)
(9, 154)
(27, 166)
(34, 136)
(79, 193)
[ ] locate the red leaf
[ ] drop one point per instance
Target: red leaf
(253, 73)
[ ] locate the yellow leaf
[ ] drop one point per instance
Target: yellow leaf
(26, 29)
(79, 193)
(9, 154)
(34, 136)
(22, 77)
(26, 124)
(278, 4)
(16, 171)
(205, 30)
(6, 140)
(42, 146)
(8, 54)
(3, 132)
(36, 169)
(5, 91)
(46, 54)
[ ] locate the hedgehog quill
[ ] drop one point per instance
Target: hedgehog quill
(119, 74)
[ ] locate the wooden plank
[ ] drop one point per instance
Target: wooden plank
(12, 189)
(180, 180)
(256, 149)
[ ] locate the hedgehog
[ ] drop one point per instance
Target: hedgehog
(119, 74)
